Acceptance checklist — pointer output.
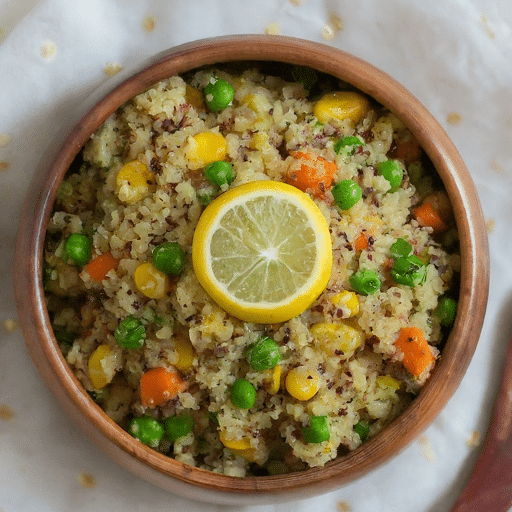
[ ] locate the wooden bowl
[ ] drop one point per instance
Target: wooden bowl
(162, 470)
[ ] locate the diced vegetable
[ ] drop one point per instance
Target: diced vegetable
(302, 383)
(218, 94)
(159, 385)
(338, 106)
(348, 300)
(409, 271)
(346, 194)
(317, 431)
(178, 426)
(311, 173)
(77, 248)
(99, 267)
(365, 281)
(169, 258)
(150, 281)
(206, 147)
(133, 180)
(242, 394)
(435, 211)
(264, 354)
(392, 171)
(414, 346)
(130, 333)
(361, 242)
(147, 430)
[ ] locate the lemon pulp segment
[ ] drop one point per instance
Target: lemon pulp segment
(263, 251)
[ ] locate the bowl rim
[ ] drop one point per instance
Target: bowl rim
(459, 347)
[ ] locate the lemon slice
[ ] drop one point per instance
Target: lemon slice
(262, 251)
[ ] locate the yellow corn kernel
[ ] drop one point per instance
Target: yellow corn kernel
(98, 372)
(185, 352)
(388, 382)
(241, 447)
(347, 300)
(259, 140)
(194, 97)
(133, 181)
(274, 379)
(338, 106)
(234, 444)
(150, 281)
(205, 148)
(302, 383)
(257, 103)
(338, 338)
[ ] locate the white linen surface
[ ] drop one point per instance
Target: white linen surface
(454, 55)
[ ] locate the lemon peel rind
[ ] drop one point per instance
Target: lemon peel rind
(264, 312)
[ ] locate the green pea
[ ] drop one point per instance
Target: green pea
(362, 429)
(147, 430)
(263, 354)
(169, 258)
(346, 194)
(446, 311)
(242, 394)
(178, 426)
(205, 195)
(130, 333)
(347, 145)
(149, 316)
(64, 336)
(400, 248)
(305, 76)
(77, 248)
(365, 282)
(214, 417)
(392, 171)
(317, 431)
(450, 238)
(409, 271)
(220, 173)
(99, 395)
(415, 171)
(277, 467)
(65, 190)
(218, 94)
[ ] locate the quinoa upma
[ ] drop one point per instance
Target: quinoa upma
(164, 360)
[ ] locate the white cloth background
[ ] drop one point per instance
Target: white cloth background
(454, 55)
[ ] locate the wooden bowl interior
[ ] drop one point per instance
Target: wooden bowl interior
(456, 354)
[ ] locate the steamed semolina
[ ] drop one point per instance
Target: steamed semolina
(345, 342)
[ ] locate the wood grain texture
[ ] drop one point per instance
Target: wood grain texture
(164, 471)
(489, 487)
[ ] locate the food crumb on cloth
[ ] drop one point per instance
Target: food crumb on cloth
(272, 29)
(6, 413)
(297, 2)
(112, 68)
(453, 118)
(496, 166)
(426, 450)
(10, 325)
(86, 480)
(474, 439)
(490, 225)
(343, 506)
(149, 23)
(4, 166)
(332, 27)
(48, 49)
(4, 139)
(488, 29)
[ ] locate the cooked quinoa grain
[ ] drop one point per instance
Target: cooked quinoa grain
(234, 397)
